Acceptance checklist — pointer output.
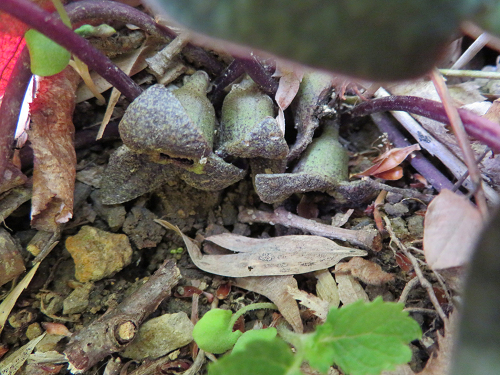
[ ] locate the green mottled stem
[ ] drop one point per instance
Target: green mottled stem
(253, 306)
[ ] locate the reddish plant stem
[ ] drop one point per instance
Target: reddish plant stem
(83, 11)
(419, 162)
(42, 21)
(230, 74)
(259, 74)
(478, 127)
(11, 106)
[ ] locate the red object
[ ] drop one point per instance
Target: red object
(11, 44)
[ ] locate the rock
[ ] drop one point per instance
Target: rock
(415, 225)
(98, 254)
(160, 336)
(397, 209)
(78, 300)
(11, 261)
(114, 215)
(141, 228)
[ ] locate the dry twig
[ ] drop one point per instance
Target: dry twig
(423, 281)
(113, 331)
(367, 238)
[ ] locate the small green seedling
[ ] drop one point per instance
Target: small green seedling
(47, 57)
(361, 338)
(214, 331)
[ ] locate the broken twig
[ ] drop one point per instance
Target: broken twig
(117, 328)
(367, 238)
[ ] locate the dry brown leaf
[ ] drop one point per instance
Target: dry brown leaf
(350, 290)
(102, 85)
(366, 271)
(451, 228)
(289, 83)
(388, 161)
(127, 68)
(276, 288)
(440, 364)
(286, 255)
(318, 306)
(12, 177)
(326, 288)
(51, 136)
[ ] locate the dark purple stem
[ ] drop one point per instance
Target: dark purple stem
(83, 11)
(478, 127)
(419, 162)
(42, 21)
(259, 74)
(11, 105)
(230, 74)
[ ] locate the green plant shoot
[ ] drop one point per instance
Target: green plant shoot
(361, 338)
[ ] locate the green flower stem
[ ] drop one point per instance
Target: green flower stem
(253, 306)
(469, 73)
(62, 12)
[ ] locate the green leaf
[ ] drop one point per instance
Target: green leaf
(47, 57)
(262, 357)
(373, 39)
(214, 332)
(267, 334)
(362, 338)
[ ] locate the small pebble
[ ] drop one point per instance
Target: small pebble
(98, 254)
(78, 300)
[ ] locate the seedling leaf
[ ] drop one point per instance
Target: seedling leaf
(267, 334)
(214, 332)
(362, 338)
(47, 57)
(262, 357)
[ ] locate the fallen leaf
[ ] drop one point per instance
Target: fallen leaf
(51, 136)
(366, 271)
(350, 290)
(451, 227)
(11, 364)
(276, 288)
(9, 301)
(326, 288)
(289, 83)
(132, 63)
(385, 164)
(286, 255)
(318, 306)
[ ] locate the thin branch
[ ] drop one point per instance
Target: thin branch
(421, 278)
(234, 70)
(366, 238)
(260, 76)
(42, 21)
(116, 329)
(463, 141)
(472, 51)
(83, 11)
(478, 127)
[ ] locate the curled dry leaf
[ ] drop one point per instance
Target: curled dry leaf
(350, 290)
(386, 165)
(366, 271)
(287, 255)
(318, 306)
(51, 136)
(326, 288)
(451, 227)
(289, 83)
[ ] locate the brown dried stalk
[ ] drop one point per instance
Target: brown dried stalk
(367, 238)
(113, 331)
